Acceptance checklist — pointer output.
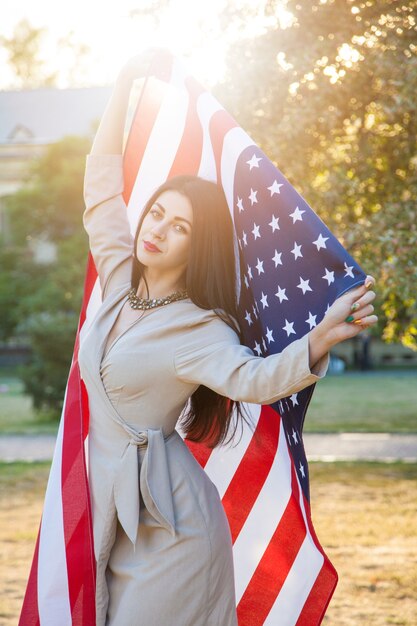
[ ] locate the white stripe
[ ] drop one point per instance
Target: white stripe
(53, 595)
(297, 586)
(235, 142)
(162, 145)
(263, 519)
(207, 106)
(224, 460)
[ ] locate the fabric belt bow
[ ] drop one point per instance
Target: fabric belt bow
(151, 480)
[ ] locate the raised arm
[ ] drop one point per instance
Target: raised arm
(105, 218)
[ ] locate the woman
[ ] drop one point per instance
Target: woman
(165, 334)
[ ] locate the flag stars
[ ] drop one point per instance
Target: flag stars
(320, 242)
(311, 320)
(255, 313)
(281, 294)
(277, 258)
(294, 400)
(248, 318)
(304, 285)
(264, 345)
(252, 197)
(255, 231)
(274, 223)
(245, 278)
(250, 272)
(254, 161)
(296, 251)
(348, 270)
(269, 335)
(275, 187)
(264, 300)
(294, 436)
(244, 238)
(302, 470)
(289, 328)
(296, 216)
(257, 348)
(260, 267)
(329, 276)
(239, 205)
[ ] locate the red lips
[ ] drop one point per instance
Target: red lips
(150, 246)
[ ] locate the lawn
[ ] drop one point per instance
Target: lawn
(364, 515)
(352, 402)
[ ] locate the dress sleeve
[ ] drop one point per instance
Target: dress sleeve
(233, 370)
(105, 220)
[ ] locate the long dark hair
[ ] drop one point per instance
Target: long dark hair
(210, 280)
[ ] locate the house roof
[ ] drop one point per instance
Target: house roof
(46, 115)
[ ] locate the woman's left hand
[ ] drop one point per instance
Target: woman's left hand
(350, 313)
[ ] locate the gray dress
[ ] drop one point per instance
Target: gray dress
(161, 538)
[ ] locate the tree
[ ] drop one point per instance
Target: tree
(47, 297)
(331, 98)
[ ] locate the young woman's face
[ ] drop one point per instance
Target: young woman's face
(165, 235)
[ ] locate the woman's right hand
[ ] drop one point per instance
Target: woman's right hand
(138, 65)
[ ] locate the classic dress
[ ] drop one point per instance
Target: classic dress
(161, 538)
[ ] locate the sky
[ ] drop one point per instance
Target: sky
(113, 35)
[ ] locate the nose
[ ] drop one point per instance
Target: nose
(158, 231)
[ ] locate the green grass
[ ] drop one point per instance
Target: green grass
(364, 402)
(16, 411)
(353, 402)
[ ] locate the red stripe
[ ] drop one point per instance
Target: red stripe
(147, 111)
(253, 470)
(275, 564)
(220, 124)
(30, 613)
(320, 595)
(188, 157)
(75, 504)
(200, 451)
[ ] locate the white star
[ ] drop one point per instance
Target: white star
(296, 250)
(289, 328)
(275, 187)
(274, 223)
(294, 400)
(320, 242)
(254, 162)
(254, 312)
(245, 278)
(269, 335)
(240, 205)
(348, 270)
(264, 345)
(257, 348)
(252, 197)
(311, 320)
(249, 272)
(304, 285)
(296, 216)
(277, 258)
(302, 470)
(244, 235)
(248, 318)
(281, 294)
(264, 300)
(260, 267)
(255, 231)
(294, 436)
(329, 276)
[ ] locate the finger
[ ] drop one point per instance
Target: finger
(369, 281)
(368, 320)
(367, 310)
(368, 297)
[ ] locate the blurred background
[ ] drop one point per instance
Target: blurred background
(327, 88)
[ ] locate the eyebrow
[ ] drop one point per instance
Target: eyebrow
(181, 219)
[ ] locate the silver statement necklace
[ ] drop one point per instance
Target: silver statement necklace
(151, 303)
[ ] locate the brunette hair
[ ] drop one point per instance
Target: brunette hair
(210, 280)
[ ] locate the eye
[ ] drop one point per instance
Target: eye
(180, 228)
(155, 212)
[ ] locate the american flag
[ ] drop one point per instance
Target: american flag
(291, 269)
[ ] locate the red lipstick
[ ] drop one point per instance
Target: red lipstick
(150, 247)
